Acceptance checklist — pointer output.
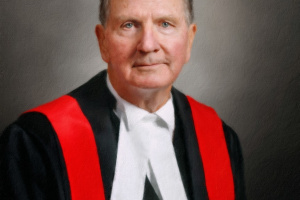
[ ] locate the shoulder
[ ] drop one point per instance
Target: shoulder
(230, 136)
(31, 137)
(187, 108)
(202, 108)
(188, 103)
(206, 113)
(30, 155)
(206, 116)
(32, 125)
(35, 123)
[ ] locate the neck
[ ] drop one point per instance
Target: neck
(145, 98)
(148, 99)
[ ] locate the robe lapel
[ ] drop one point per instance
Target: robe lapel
(185, 127)
(97, 103)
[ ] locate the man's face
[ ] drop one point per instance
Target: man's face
(145, 42)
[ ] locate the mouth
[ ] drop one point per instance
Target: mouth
(149, 64)
(146, 64)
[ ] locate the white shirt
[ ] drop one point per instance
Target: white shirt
(143, 139)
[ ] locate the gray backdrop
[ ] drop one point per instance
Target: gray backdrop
(245, 63)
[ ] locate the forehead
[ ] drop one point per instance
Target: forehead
(141, 8)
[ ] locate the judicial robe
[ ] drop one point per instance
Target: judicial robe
(32, 164)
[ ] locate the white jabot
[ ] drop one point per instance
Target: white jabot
(145, 149)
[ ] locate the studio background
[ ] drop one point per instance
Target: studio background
(245, 63)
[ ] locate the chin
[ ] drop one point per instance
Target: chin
(151, 84)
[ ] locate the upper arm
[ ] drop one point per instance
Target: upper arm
(236, 159)
(31, 165)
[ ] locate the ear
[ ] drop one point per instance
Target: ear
(191, 35)
(100, 33)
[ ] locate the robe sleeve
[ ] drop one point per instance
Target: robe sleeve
(237, 162)
(31, 162)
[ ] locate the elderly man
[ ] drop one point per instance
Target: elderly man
(126, 134)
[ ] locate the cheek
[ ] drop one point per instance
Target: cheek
(120, 50)
(178, 50)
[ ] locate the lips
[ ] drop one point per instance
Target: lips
(146, 64)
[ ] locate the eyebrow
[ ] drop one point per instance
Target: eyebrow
(168, 18)
(123, 18)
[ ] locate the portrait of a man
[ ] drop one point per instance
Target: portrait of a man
(129, 133)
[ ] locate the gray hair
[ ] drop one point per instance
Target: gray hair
(104, 11)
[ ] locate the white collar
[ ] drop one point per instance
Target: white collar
(134, 114)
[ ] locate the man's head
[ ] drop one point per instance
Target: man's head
(145, 44)
(104, 11)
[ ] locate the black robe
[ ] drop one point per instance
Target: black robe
(32, 165)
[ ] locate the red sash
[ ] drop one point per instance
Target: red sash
(82, 161)
(78, 146)
(213, 150)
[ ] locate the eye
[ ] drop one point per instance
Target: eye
(165, 24)
(128, 25)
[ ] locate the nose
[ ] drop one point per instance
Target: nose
(148, 41)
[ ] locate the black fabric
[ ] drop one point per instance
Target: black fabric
(192, 169)
(149, 192)
(236, 159)
(32, 166)
(31, 162)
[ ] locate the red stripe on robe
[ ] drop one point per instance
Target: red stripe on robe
(213, 151)
(78, 146)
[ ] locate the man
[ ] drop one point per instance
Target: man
(126, 134)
